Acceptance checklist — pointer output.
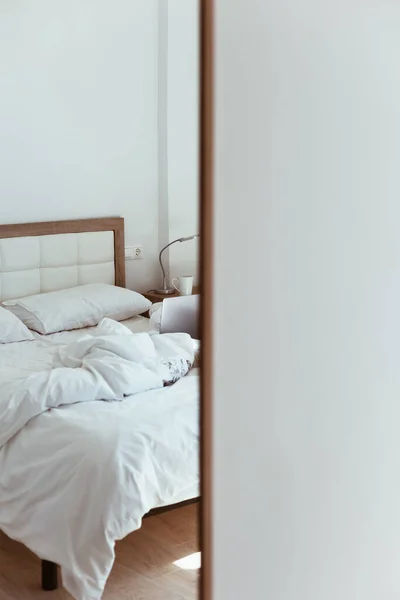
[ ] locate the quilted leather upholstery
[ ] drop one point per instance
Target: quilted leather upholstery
(31, 265)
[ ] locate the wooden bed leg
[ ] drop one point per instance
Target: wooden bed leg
(49, 576)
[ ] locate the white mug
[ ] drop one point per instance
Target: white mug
(185, 284)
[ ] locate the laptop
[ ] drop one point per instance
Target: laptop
(181, 315)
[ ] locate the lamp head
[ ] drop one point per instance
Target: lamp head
(191, 237)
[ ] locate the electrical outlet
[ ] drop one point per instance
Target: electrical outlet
(133, 252)
(137, 252)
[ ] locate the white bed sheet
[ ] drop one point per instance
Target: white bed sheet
(77, 478)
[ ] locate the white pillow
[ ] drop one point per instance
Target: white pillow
(12, 329)
(82, 306)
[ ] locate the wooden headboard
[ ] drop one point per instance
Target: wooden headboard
(25, 260)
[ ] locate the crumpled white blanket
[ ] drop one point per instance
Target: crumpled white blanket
(108, 364)
(77, 477)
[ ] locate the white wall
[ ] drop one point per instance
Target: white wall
(307, 444)
(182, 133)
(78, 117)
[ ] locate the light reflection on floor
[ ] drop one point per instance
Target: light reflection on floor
(190, 562)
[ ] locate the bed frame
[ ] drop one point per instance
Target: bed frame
(92, 251)
(43, 268)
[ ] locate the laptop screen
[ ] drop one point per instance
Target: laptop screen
(181, 315)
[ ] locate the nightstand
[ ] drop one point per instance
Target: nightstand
(154, 297)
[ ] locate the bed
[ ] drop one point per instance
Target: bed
(76, 479)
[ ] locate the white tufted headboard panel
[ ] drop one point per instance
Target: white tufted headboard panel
(37, 263)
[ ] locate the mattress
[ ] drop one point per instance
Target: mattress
(77, 478)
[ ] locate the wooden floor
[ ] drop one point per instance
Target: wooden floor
(143, 569)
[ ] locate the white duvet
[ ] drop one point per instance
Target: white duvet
(78, 472)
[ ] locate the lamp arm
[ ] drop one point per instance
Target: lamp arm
(159, 257)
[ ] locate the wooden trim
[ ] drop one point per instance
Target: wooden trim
(119, 253)
(115, 224)
(206, 279)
